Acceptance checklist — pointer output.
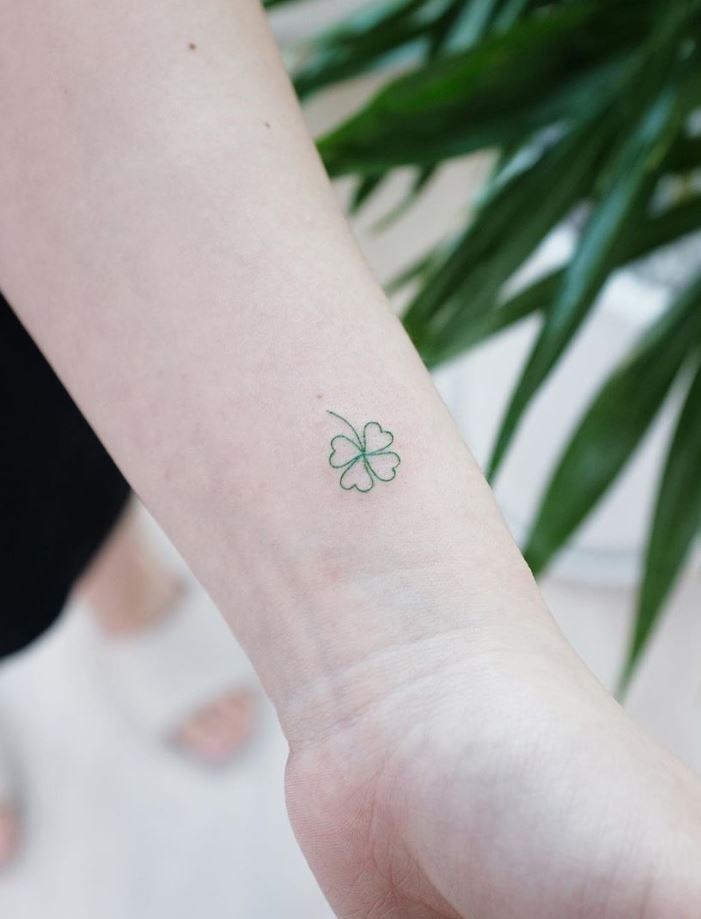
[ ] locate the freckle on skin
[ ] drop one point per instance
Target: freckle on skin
(192, 46)
(267, 124)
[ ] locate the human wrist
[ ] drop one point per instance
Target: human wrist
(369, 630)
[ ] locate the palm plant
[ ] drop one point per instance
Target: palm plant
(586, 104)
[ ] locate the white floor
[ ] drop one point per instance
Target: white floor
(118, 827)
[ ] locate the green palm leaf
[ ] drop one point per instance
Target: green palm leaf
(626, 189)
(613, 427)
(468, 330)
(544, 69)
(367, 39)
(675, 523)
(504, 233)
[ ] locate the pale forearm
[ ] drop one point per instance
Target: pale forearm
(169, 237)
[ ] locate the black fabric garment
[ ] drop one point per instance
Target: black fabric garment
(60, 493)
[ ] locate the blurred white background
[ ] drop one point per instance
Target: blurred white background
(118, 827)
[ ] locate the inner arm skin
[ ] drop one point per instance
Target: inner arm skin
(170, 239)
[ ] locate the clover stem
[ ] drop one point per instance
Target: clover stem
(358, 440)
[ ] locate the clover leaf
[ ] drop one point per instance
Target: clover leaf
(365, 458)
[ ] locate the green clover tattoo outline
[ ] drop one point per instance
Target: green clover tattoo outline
(365, 458)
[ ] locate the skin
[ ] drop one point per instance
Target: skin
(170, 239)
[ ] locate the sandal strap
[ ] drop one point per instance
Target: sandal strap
(165, 674)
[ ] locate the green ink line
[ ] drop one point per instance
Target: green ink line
(363, 454)
(358, 439)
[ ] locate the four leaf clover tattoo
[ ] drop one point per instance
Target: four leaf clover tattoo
(365, 458)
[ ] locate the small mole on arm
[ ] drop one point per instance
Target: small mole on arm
(267, 124)
(320, 395)
(192, 46)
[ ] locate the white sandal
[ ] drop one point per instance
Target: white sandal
(174, 669)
